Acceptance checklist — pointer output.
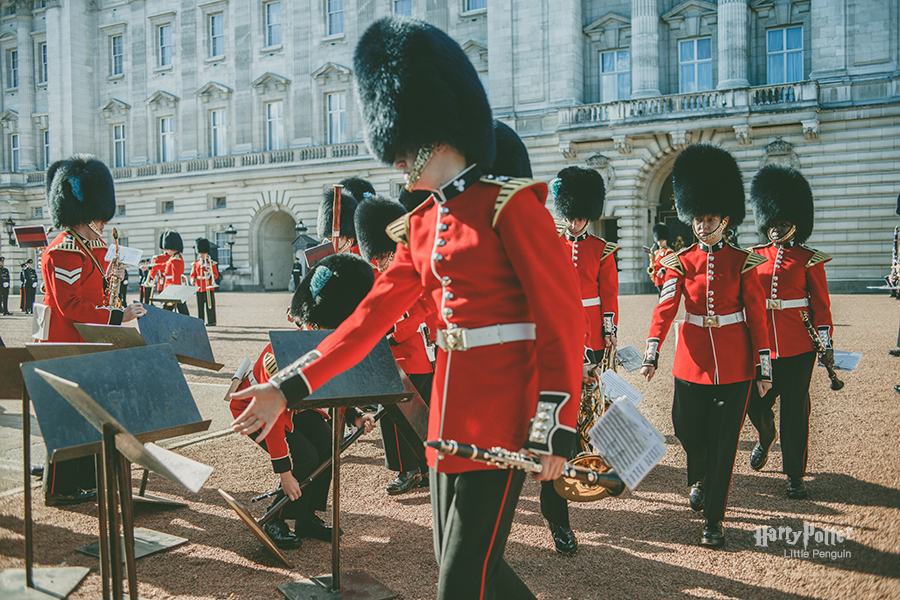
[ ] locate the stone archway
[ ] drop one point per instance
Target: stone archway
(276, 254)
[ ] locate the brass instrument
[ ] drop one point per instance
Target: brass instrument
(652, 268)
(836, 383)
(111, 297)
(894, 277)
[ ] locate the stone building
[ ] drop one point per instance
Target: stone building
(219, 112)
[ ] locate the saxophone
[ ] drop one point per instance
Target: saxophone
(111, 297)
(894, 277)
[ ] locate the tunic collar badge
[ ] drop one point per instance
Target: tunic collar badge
(714, 248)
(461, 182)
(576, 238)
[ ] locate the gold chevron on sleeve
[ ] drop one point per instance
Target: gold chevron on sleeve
(510, 188)
(609, 249)
(671, 261)
(817, 257)
(752, 261)
(269, 364)
(399, 230)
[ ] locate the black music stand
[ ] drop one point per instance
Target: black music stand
(187, 336)
(152, 403)
(375, 380)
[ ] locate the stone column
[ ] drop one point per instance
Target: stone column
(25, 47)
(500, 56)
(644, 49)
(566, 53)
(829, 42)
(734, 44)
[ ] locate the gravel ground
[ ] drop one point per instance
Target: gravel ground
(640, 545)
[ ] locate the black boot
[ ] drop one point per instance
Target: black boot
(563, 539)
(759, 456)
(404, 482)
(313, 527)
(713, 535)
(697, 496)
(797, 489)
(280, 534)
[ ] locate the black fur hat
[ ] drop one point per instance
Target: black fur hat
(201, 245)
(782, 194)
(358, 187)
(707, 181)
(326, 212)
(416, 87)
(512, 156)
(661, 232)
(410, 200)
(170, 240)
(373, 215)
(579, 193)
(330, 292)
(80, 190)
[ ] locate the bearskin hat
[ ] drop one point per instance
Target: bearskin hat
(326, 212)
(201, 245)
(80, 190)
(358, 187)
(782, 194)
(373, 215)
(410, 200)
(707, 181)
(579, 193)
(416, 87)
(661, 232)
(512, 156)
(330, 292)
(170, 240)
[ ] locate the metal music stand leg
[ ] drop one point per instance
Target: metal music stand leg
(103, 520)
(337, 427)
(26, 463)
(110, 460)
(125, 499)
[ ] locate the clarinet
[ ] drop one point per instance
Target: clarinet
(507, 459)
(836, 383)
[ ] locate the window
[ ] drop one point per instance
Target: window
(118, 146)
(337, 118)
(9, 10)
(12, 62)
(694, 65)
(784, 49)
(335, 17)
(116, 55)
(475, 4)
(167, 206)
(14, 153)
(219, 203)
(42, 62)
(123, 240)
(166, 139)
(217, 132)
(216, 35)
(274, 126)
(164, 36)
(40, 4)
(403, 8)
(615, 75)
(120, 212)
(273, 24)
(224, 248)
(45, 137)
(37, 212)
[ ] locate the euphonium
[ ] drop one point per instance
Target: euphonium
(111, 297)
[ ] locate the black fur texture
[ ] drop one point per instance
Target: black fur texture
(326, 211)
(512, 156)
(351, 280)
(781, 193)
(660, 232)
(580, 194)
(202, 245)
(171, 240)
(707, 181)
(85, 176)
(373, 215)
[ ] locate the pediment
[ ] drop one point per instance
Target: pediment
(114, 106)
(330, 69)
(214, 89)
(9, 115)
(476, 50)
(689, 8)
(608, 21)
(160, 98)
(270, 81)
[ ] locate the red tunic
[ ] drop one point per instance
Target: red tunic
(174, 270)
(721, 282)
(407, 342)
(659, 271)
(598, 280)
(794, 272)
(483, 258)
(204, 274)
(158, 271)
(74, 287)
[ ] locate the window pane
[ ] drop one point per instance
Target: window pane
(403, 8)
(704, 76)
(775, 42)
(622, 60)
(686, 50)
(686, 79)
(624, 86)
(273, 23)
(794, 66)
(704, 49)
(475, 4)
(335, 17)
(608, 62)
(775, 72)
(794, 38)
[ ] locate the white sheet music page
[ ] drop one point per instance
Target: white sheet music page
(628, 442)
(128, 256)
(616, 387)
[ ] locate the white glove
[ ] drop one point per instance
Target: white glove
(5, 284)
(34, 285)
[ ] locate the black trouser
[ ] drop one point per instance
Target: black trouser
(28, 298)
(210, 307)
(179, 306)
(309, 445)
(68, 476)
(399, 455)
(708, 420)
(473, 512)
(790, 380)
(4, 300)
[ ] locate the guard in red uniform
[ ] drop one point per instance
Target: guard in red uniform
(659, 251)
(793, 278)
(82, 199)
(486, 252)
(158, 271)
(204, 273)
(353, 190)
(172, 269)
(724, 333)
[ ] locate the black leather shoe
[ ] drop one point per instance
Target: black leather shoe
(37, 471)
(78, 497)
(897, 388)
(894, 352)
(797, 489)
(697, 497)
(563, 539)
(404, 482)
(280, 534)
(713, 535)
(759, 456)
(314, 528)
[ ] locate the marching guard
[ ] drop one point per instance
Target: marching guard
(5, 283)
(793, 278)
(724, 332)
(659, 251)
(486, 251)
(204, 273)
(171, 266)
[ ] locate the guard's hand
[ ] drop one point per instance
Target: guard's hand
(290, 485)
(648, 371)
(589, 375)
(763, 387)
(551, 468)
(133, 311)
(267, 405)
(611, 340)
(828, 359)
(365, 422)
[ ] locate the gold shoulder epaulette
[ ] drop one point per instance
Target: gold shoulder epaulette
(817, 257)
(269, 364)
(609, 249)
(561, 226)
(399, 230)
(671, 261)
(98, 243)
(752, 261)
(760, 246)
(510, 187)
(67, 245)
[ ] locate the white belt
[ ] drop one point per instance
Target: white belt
(461, 339)
(715, 320)
(591, 302)
(778, 304)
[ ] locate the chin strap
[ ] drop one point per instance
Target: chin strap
(424, 155)
(718, 230)
(788, 237)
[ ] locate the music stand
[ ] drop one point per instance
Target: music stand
(187, 336)
(375, 380)
(178, 294)
(151, 404)
(120, 336)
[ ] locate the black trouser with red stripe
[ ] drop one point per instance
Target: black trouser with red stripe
(708, 421)
(400, 455)
(790, 380)
(473, 512)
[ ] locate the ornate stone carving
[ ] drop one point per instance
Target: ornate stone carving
(780, 152)
(568, 150)
(810, 129)
(602, 165)
(622, 144)
(597, 161)
(742, 134)
(680, 139)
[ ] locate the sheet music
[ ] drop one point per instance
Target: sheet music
(629, 358)
(628, 442)
(128, 256)
(846, 361)
(616, 387)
